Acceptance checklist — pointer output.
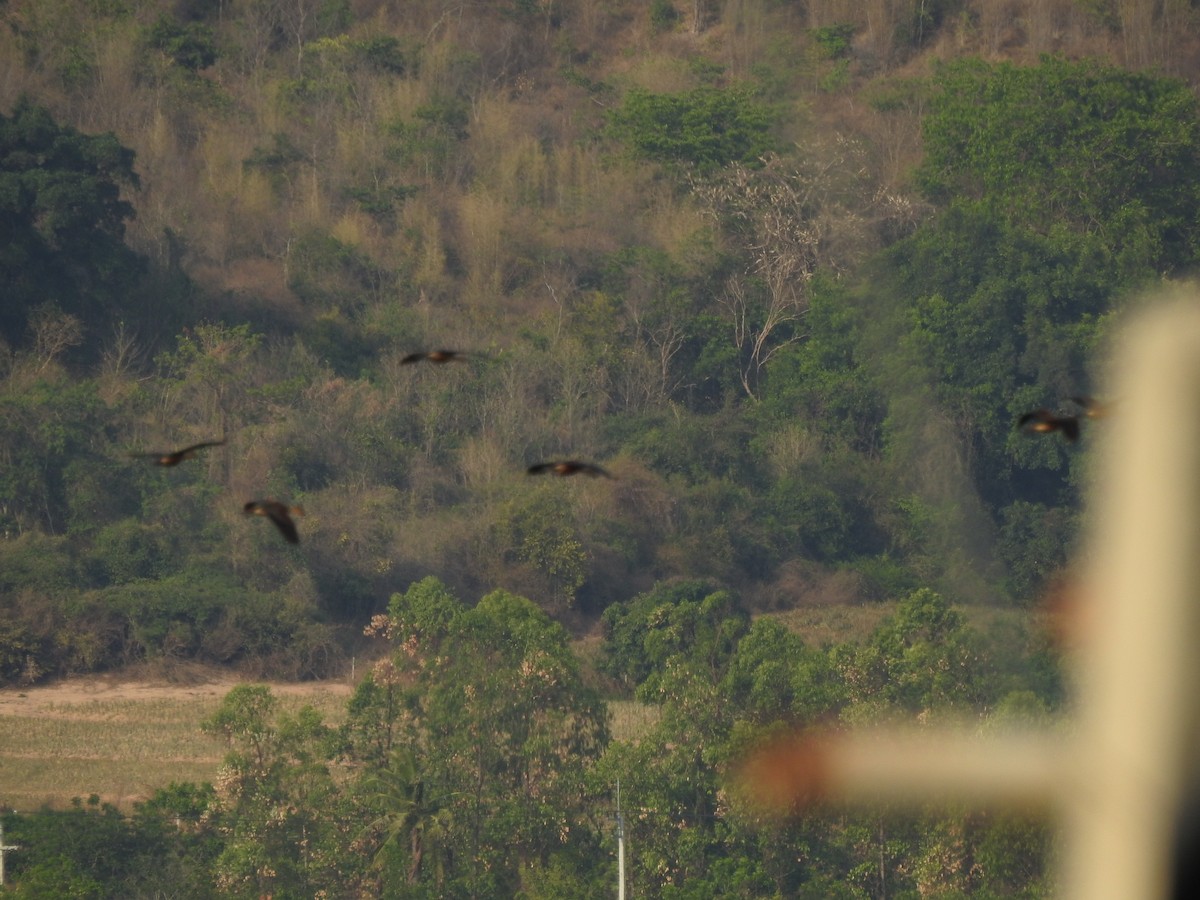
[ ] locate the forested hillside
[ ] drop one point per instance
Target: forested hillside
(789, 272)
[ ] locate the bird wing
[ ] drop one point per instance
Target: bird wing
(286, 526)
(279, 515)
(196, 447)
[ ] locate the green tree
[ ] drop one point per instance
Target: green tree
(424, 616)
(276, 802)
(924, 658)
(995, 319)
(822, 380)
(88, 851)
(1097, 148)
(1034, 542)
(191, 45)
(774, 677)
(1065, 187)
(706, 127)
(211, 372)
(686, 619)
(504, 726)
(48, 433)
(243, 721)
(62, 220)
(539, 532)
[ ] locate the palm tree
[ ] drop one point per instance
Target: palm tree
(396, 794)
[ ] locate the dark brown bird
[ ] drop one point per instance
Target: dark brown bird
(178, 456)
(435, 356)
(279, 513)
(1043, 421)
(566, 467)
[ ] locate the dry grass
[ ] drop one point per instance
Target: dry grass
(631, 720)
(121, 740)
(821, 626)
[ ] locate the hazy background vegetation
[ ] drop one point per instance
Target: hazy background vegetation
(789, 270)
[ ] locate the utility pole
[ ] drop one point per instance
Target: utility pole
(4, 848)
(620, 847)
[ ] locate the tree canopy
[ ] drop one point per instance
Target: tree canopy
(790, 291)
(62, 219)
(706, 127)
(1080, 144)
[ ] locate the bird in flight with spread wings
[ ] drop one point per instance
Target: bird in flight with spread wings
(175, 457)
(434, 356)
(566, 467)
(1046, 421)
(279, 513)
(1043, 421)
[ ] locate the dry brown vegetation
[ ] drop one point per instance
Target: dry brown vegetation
(123, 738)
(510, 193)
(324, 187)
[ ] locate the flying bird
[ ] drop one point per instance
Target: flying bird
(176, 457)
(279, 513)
(1043, 421)
(566, 467)
(435, 356)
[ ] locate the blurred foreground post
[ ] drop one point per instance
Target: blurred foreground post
(4, 848)
(1135, 760)
(1122, 777)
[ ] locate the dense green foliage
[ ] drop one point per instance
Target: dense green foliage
(1077, 145)
(62, 220)
(474, 762)
(776, 422)
(1007, 295)
(793, 301)
(706, 128)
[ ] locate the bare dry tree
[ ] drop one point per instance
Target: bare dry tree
(123, 352)
(789, 219)
(703, 12)
(775, 214)
(662, 331)
(54, 331)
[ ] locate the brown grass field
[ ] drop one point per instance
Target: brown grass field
(122, 738)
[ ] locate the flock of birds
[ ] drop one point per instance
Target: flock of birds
(1038, 421)
(281, 513)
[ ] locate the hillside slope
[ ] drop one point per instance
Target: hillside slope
(702, 245)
